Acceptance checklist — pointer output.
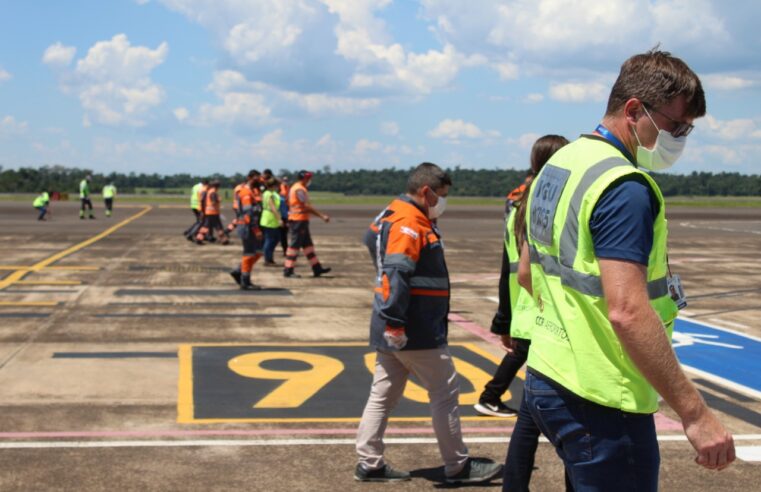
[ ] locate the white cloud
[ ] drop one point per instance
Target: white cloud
(390, 128)
(507, 70)
(454, 130)
(534, 97)
(726, 82)
(237, 109)
(181, 113)
(525, 141)
(364, 146)
(735, 130)
(4, 75)
(10, 127)
(251, 104)
(58, 55)
(112, 81)
(576, 92)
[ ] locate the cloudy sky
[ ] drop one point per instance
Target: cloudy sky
(225, 85)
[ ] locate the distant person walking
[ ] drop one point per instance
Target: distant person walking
(195, 206)
(84, 197)
(408, 330)
(249, 232)
(41, 203)
(271, 220)
(284, 189)
(212, 223)
(596, 262)
(109, 192)
(299, 210)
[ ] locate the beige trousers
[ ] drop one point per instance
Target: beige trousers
(436, 373)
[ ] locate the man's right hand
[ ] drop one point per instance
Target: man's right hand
(714, 444)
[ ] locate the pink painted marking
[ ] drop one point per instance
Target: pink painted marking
(473, 328)
(240, 432)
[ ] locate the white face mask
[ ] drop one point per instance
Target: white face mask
(664, 153)
(438, 209)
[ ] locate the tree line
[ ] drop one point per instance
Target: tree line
(467, 182)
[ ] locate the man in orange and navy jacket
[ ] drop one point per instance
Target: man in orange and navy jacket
(408, 330)
(249, 232)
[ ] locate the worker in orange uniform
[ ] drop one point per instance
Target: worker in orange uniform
(299, 210)
(236, 199)
(211, 221)
(284, 189)
(516, 195)
(249, 231)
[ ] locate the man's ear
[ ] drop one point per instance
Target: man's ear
(632, 110)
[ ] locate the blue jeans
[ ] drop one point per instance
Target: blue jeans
(519, 462)
(602, 448)
(271, 238)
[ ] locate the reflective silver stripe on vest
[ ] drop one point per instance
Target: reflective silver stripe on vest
(400, 261)
(569, 238)
(514, 267)
(569, 241)
(586, 284)
(590, 285)
(429, 282)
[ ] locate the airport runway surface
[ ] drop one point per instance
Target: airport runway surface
(130, 361)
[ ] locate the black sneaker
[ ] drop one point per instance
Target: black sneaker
(497, 409)
(476, 470)
(289, 273)
(384, 474)
(319, 270)
(235, 274)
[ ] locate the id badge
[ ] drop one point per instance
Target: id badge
(676, 291)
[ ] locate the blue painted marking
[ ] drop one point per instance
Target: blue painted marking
(726, 354)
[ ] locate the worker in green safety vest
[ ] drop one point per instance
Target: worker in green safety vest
(109, 192)
(84, 197)
(41, 203)
(596, 263)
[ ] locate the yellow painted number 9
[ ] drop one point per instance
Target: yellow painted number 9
(298, 386)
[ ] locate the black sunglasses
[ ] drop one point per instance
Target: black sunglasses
(681, 130)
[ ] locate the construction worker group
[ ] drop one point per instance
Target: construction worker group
(267, 211)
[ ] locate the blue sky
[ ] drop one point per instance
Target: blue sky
(206, 86)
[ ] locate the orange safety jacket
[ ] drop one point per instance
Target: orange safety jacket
(284, 190)
(250, 211)
(412, 289)
(202, 195)
(211, 203)
(298, 197)
(236, 199)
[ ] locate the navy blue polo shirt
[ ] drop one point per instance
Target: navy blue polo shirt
(622, 220)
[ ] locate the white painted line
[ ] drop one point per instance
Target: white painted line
(281, 442)
(748, 453)
(730, 323)
(724, 382)
(738, 333)
(493, 299)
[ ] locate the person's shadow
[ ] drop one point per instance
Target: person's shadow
(436, 475)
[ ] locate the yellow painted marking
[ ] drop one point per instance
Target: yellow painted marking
(19, 274)
(75, 268)
(186, 405)
(174, 206)
(477, 377)
(48, 282)
(28, 303)
(298, 386)
(185, 409)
